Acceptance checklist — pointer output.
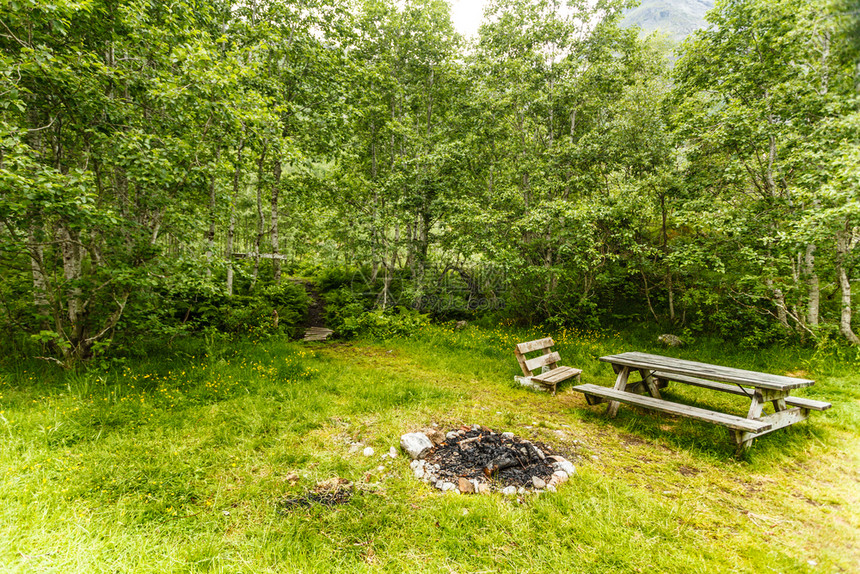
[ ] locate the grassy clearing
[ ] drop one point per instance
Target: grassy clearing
(178, 465)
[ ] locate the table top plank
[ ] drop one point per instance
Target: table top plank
(707, 371)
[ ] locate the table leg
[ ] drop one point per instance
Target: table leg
(745, 439)
(620, 385)
(650, 383)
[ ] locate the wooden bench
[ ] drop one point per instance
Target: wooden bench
(550, 373)
(657, 371)
(596, 394)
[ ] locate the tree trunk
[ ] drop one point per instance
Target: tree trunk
(844, 244)
(779, 301)
(813, 285)
(231, 229)
(210, 236)
(258, 238)
(665, 248)
(276, 189)
(37, 266)
(72, 268)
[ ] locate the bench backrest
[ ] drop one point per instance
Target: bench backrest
(548, 357)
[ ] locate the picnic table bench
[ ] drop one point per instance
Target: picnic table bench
(657, 371)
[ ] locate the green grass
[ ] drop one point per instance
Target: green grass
(178, 463)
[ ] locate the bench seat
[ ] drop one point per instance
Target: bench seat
(726, 420)
(739, 390)
(557, 375)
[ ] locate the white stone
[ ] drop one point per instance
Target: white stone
(557, 478)
(564, 465)
(550, 488)
(416, 444)
(451, 435)
(508, 436)
(380, 468)
(368, 451)
(476, 428)
(527, 382)
(538, 482)
(392, 452)
(521, 490)
(439, 484)
(446, 486)
(509, 490)
(417, 467)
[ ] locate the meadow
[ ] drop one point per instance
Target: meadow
(180, 461)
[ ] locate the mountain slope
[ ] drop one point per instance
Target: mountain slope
(676, 18)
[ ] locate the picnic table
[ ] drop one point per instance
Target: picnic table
(657, 371)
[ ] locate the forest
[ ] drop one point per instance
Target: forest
(167, 166)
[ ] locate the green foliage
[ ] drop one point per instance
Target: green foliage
(556, 168)
(401, 322)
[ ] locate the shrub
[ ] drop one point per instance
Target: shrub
(384, 325)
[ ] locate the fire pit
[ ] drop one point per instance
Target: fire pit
(478, 460)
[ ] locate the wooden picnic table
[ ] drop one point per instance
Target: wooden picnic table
(656, 372)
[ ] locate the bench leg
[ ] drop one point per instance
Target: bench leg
(620, 385)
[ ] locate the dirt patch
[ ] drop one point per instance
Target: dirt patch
(332, 492)
(687, 471)
(316, 309)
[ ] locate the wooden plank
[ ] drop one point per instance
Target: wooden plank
(696, 382)
(807, 403)
(777, 421)
(261, 256)
(317, 334)
(740, 390)
(521, 359)
(784, 418)
(557, 375)
(535, 345)
(538, 362)
(723, 419)
(704, 370)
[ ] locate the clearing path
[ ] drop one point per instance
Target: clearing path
(315, 329)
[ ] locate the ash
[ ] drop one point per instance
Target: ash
(489, 461)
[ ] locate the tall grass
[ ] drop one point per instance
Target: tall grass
(178, 462)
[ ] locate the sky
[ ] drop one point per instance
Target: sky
(466, 15)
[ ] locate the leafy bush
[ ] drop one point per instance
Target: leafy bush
(276, 308)
(333, 278)
(384, 325)
(341, 305)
